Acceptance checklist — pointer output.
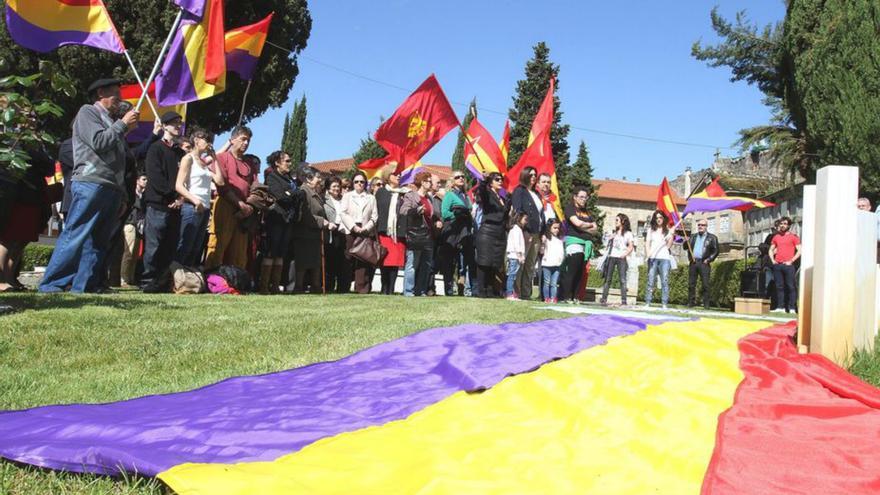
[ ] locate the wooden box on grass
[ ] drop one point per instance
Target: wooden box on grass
(751, 306)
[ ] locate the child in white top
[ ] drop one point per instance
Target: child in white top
(516, 252)
(554, 252)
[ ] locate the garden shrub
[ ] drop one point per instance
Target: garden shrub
(35, 255)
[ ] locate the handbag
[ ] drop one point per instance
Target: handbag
(604, 265)
(367, 249)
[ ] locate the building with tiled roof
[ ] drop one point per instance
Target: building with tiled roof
(444, 172)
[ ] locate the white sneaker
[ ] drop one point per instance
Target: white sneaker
(664, 307)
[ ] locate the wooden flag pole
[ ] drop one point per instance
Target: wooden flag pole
(144, 89)
(159, 59)
(244, 101)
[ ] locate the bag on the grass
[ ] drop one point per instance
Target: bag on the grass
(218, 285)
(187, 280)
(235, 278)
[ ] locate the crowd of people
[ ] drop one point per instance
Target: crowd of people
(134, 214)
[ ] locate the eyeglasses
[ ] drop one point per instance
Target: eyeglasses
(702, 225)
(497, 179)
(458, 177)
(359, 182)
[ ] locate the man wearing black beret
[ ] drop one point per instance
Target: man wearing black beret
(97, 192)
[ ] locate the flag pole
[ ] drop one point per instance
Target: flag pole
(144, 89)
(164, 49)
(243, 101)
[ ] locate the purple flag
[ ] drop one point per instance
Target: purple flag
(260, 418)
(194, 7)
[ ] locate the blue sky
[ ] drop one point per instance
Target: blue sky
(625, 67)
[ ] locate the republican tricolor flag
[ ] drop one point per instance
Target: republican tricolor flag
(44, 25)
(146, 119)
(244, 46)
(666, 203)
(195, 67)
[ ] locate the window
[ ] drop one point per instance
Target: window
(713, 225)
(640, 229)
(724, 224)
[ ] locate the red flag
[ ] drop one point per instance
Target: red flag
(418, 124)
(539, 153)
(215, 53)
(714, 189)
(505, 142)
(666, 202)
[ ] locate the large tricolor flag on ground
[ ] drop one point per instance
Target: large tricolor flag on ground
(244, 46)
(714, 198)
(132, 93)
(666, 203)
(195, 67)
(597, 404)
(482, 155)
(416, 126)
(539, 153)
(44, 25)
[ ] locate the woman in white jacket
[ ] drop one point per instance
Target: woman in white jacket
(359, 215)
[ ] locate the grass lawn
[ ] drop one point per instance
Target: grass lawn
(65, 349)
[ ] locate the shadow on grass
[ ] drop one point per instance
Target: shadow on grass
(34, 301)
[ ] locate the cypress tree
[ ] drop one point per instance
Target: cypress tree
(285, 131)
(458, 155)
(298, 133)
(580, 174)
(530, 93)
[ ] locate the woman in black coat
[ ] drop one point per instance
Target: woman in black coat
(279, 220)
(491, 238)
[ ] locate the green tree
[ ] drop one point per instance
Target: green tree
(458, 156)
(833, 83)
(143, 25)
(530, 93)
(285, 131)
(295, 136)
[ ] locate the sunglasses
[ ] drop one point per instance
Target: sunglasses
(702, 225)
(359, 182)
(458, 177)
(497, 179)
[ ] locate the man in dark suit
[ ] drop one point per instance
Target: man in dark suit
(703, 249)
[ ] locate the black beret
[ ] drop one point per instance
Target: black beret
(103, 83)
(168, 117)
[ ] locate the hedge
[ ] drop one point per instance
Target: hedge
(723, 284)
(35, 255)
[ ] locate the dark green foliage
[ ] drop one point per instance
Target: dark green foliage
(458, 156)
(25, 102)
(580, 173)
(36, 255)
(295, 137)
(530, 93)
(143, 25)
(724, 284)
(833, 90)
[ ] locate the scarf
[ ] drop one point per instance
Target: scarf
(392, 210)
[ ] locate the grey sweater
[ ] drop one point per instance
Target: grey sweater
(99, 148)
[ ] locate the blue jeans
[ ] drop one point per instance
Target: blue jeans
(161, 230)
(653, 266)
(551, 280)
(513, 266)
(78, 259)
(417, 271)
(193, 232)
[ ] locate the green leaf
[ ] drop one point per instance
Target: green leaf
(48, 107)
(8, 115)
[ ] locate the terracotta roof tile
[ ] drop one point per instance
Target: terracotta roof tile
(632, 191)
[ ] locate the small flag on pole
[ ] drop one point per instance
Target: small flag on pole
(131, 93)
(244, 46)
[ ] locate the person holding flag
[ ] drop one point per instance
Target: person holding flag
(98, 191)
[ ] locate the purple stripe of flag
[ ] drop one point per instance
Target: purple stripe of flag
(713, 204)
(175, 83)
(43, 40)
(260, 418)
(195, 7)
(242, 63)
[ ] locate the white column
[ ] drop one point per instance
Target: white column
(866, 281)
(833, 314)
(808, 248)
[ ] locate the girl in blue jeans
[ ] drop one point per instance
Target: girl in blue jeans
(554, 253)
(657, 244)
